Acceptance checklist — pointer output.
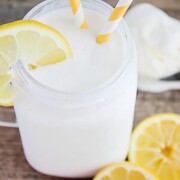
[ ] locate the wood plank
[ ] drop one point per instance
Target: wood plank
(16, 9)
(164, 4)
(148, 104)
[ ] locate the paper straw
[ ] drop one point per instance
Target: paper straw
(77, 10)
(113, 21)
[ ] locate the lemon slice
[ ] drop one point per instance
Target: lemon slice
(34, 43)
(124, 171)
(156, 145)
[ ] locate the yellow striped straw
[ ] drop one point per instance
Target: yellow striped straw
(113, 21)
(77, 10)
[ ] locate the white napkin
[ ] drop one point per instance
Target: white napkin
(157, 38)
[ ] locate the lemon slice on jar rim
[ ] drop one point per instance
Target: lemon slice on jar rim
(36, 44)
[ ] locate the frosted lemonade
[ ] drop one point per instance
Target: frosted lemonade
(76, 116)
(92, 65)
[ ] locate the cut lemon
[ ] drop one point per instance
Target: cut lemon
(124, 171)
(155, 145)
(35, 44)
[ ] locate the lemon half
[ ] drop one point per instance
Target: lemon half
(124, 171)
(155, 145)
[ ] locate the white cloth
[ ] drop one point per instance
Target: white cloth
(158, 41)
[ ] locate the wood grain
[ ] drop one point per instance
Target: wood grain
(13, 165)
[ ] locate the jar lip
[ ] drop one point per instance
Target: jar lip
(49, 91)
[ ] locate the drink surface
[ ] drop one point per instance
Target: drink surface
(93, 65)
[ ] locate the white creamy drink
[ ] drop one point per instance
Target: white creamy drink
(76, 116)
(93, 64)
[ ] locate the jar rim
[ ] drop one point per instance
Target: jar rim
(28, 78)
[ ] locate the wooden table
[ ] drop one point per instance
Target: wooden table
(13, 165)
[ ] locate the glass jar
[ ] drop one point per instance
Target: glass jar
(75, 134)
